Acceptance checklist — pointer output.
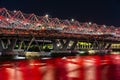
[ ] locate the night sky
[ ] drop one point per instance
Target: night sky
(97, 11)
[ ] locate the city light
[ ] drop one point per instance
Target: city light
(90, 23)
(14, 11)
(104, 26)
(46, 15)
(72, 20)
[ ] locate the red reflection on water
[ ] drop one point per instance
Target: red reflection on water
(61, 72)
(3, 73)
(115, 67)
(74, 68)
(90, 69)
(105, 67)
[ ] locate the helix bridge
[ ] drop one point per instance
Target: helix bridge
(18, 31)
(36, 47)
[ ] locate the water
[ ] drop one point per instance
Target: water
(105, 67)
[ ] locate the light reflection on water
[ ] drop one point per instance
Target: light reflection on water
(71, 68)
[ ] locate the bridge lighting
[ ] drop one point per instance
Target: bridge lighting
(104, 26)
(72, 20)
(64, 58)
(90, 23)
(14, 11)
(46, 15)
(7, 19)
(58, 45)
(38, 24)
(43, 27)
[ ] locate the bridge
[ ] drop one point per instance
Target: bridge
(19, 31)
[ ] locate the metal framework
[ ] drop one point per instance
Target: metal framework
(19, 20)
(14, 23)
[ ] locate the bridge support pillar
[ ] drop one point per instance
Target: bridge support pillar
(2, 46)
(74, 45)
(11, 45)
(108, 46)
(95, 45)
(31, 41)
(20, 45)
(65, 45)
(103, 46)
(55, 47)
(62, 44)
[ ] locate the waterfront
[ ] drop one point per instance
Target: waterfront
(105, 67)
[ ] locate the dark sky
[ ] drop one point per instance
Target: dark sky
(98, 11)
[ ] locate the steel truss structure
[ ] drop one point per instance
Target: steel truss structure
(18, 26)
